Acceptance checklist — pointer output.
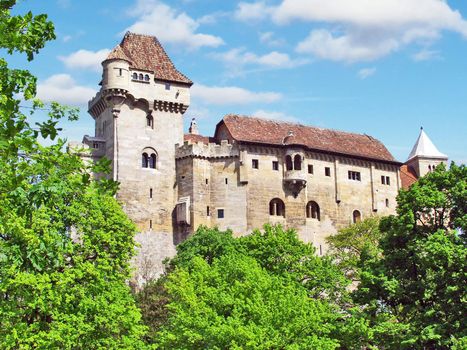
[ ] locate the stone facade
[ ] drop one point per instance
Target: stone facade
(250, 173)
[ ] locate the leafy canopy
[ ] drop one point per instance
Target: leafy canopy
(64, 241)
(415, 294)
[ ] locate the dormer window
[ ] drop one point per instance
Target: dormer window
(140, 76)
(146, 77)
(135, 76)
(167, 86)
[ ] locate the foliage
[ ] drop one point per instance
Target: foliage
(415, 294)
(267, 290)
(65, 243)
(351, 242)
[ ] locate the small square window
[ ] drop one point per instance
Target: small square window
(275, 165)
(167, 86)
(255, 163)
(310, 168)
(220, 213)
(327, 171)
(95, 145)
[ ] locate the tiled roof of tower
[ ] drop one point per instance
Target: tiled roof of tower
(408, 176)
(256, 130)
(146, 53)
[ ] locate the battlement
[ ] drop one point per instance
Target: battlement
(210, 150)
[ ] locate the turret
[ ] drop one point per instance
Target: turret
(424, 156)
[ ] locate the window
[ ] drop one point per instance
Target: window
(226, 181)
(354, 175)
(167, 86)
(356, 216)
(288, 163)
(255, 163)
(220, 213)
(140, 76)
(146, 77)
(149, 159)
(387, 203)
(312, 211)
(150, 121)
(327, 171)
(208, 211)
(152, 161)
(150, 224)
(297, 162)
(95, 145)
(277, 207)
(207, 181)
(120, 72)
(275, 165)
(385, 180)
(145, 160)
(310, 168)
(150, 193)
(320, 250)
(134, 76)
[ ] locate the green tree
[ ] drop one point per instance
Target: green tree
(351, 242)
(65, 242)
(415, 294)
(267, 290)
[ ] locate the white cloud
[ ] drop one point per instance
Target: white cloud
(426, 55)
(64, 89)
(238, 58)
(170, 26)
(252, 11)
(351, 48)
(368, 30)
(85, 59)
(231, 95)
(269, 39)
(366, 72)
(274, 115)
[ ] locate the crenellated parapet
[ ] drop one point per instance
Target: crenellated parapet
(206, 151)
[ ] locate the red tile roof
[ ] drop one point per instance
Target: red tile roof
(408, 176)
(192, 138)
(256, 130)
(144, 52)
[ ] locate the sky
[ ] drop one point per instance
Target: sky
(380, 67)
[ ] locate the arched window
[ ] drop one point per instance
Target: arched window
(312, 211)
(277, 207)
(145, 160)
(152, 161)
(297, 162)
(356, 216)
(150, 121)
(288, 163)
(429, 168)
(135, 76)
(146, 77)
(140, 76)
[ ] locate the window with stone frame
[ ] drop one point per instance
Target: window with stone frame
(327, 171)
(354, 175)
(275, 165)
(312, 211)
(277, 207)
(255, 163)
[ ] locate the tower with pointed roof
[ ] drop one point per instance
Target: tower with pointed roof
(138, 115)
(424, 157)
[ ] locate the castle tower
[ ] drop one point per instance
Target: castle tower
(424, 156)
(138, 115)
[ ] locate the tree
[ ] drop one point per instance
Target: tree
(415, 294)
(351, 242)
(65, 242)
(267, 290)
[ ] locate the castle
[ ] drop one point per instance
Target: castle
(251, 172)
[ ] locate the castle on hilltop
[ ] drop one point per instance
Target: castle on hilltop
(251, 172)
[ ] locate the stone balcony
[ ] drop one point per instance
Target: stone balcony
(295, 180)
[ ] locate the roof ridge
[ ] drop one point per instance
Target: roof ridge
(302, 125)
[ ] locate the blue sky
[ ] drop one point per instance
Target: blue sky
(381, 67)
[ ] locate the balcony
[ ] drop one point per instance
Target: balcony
(295, 179)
